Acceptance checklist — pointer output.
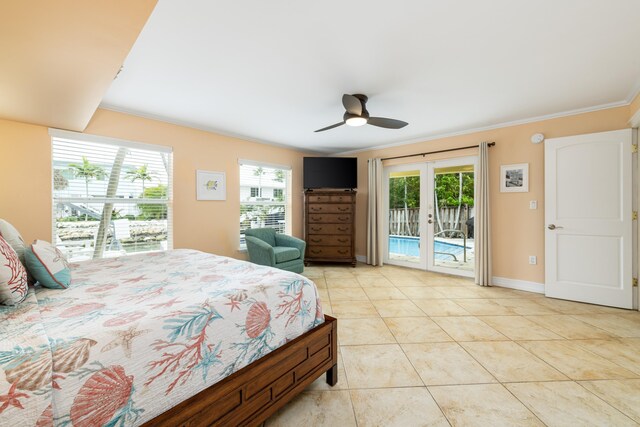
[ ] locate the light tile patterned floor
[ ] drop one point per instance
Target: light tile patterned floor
(425, 349)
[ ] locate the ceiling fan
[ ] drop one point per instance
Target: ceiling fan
(357, 115)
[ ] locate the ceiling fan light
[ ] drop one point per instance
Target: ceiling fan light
(356, 121)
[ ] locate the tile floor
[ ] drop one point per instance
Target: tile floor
(425, 349)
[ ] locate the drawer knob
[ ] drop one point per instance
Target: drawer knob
(343, 209)
(343, 240)
(316, 240)
(342, 251)
(317, 218)
(342, 229)
(317, 228)
(342, 218)
(315, 251)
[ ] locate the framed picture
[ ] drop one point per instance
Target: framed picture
(514, 178)
(211, 185)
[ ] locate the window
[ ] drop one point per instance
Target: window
(110, 197)
(264, 197)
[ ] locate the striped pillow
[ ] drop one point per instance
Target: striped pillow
(13, 276)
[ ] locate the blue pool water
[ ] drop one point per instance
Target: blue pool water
(411, 246)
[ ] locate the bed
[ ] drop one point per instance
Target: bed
(169, 338)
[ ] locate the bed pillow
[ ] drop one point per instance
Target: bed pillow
(13, 276)
(13, 237)
(48, 265)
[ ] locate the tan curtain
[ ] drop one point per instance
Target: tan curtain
(482, 230)
(374, 213)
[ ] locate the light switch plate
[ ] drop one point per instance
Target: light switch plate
(533, 204)
(533, 260)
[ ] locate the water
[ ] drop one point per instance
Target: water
(410, 246)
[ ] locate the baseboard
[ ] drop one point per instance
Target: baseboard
(503, 282)
(521, 285)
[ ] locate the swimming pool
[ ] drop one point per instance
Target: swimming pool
(410, 246)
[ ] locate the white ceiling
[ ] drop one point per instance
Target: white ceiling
(274, 71)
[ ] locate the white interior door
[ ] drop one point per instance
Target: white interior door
(588, 215)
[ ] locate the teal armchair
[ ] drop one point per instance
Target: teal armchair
(266, 247)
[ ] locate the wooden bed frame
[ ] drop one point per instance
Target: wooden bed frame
(248, 397)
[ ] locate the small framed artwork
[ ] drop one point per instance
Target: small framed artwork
(211, 185)
(514, 178)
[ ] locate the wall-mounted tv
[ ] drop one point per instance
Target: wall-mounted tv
(330, 172)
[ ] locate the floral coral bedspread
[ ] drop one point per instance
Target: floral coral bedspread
(134, 336)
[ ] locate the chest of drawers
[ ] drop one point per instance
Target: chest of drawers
(329, 226)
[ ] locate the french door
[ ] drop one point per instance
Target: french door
(429, 219)
(405, 190)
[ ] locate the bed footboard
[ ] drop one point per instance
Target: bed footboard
(251, 395)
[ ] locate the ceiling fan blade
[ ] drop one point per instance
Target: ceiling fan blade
(383, 122)
(352, 104)
(330, 127)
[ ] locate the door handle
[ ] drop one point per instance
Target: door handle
(553, 227)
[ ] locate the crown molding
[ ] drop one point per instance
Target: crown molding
(208, 129)
(635, 91)
(491, 127)
(634, 121)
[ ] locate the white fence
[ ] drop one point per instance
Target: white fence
(406, 222)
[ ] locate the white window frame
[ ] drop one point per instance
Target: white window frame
(83, 137)
(286, 194)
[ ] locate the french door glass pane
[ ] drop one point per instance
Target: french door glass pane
(453, 217)
(404, 216)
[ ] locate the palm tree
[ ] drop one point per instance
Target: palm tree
(112, 189)
(88, 171)
(259, 172)
(142, 173)
(278, 175)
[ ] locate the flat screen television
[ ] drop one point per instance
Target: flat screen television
(330, 172)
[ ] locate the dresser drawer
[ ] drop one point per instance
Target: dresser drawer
(330, 218)
(328, 252)
(341, 199)
(329, 208)
(315, 229)
(319, 199)
(347, 198)
(325, 240)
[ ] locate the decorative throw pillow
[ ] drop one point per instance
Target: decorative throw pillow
(15, 240)
(13, 276)
(48, 265)
(13, 237)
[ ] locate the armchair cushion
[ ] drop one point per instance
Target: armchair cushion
(292, 242)
(267, 235)
(260, 252)
(284, 253)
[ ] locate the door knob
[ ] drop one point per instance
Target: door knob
(553, 227)
(430, 222)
